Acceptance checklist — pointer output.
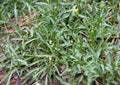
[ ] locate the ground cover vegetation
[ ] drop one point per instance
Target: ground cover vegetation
(73, 42)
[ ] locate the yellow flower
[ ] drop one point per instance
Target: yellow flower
(76, 10)
(52, 45)
(27, 21)
(47, 0)
(50, 59)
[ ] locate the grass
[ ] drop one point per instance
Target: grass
(65, 40)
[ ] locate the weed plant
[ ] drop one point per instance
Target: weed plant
(74, 42)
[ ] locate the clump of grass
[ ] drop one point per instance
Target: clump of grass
(67, 40)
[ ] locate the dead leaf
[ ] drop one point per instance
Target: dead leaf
(22, 20)
(15, 80)
(2, 74)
